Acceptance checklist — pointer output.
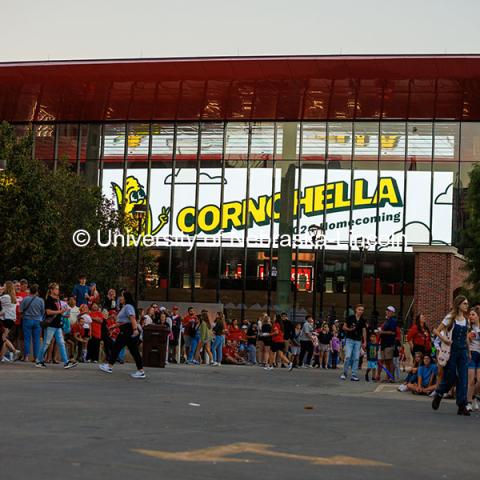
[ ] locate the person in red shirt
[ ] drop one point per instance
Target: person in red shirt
(78, 335)
(191, 316)
(234, 332)
(93, 346)
(111, 324)
(277, 351)
(109, 332)
(21, 291)
(230, 354)
(418, 337)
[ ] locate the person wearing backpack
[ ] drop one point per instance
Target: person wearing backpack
(32, 310)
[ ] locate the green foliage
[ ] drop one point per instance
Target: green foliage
(41, 209)
(471, 234)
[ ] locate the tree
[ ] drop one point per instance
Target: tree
(41, 209)
(471, 234)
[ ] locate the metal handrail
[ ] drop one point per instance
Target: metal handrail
(410, 308)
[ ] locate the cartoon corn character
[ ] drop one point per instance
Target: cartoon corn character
(135, 195)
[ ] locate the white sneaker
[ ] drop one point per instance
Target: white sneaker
(5, 360)
(475, 404)
(290, 366)
(343, 376)
(138, 374)
(469, 407)
(105, 367)
(215, 364)
(432, 394)
(402, 388)
(16, 355)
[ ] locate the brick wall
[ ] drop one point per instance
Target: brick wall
(438, 273)
(458, 274)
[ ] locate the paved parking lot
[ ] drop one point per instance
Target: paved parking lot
(228, 422)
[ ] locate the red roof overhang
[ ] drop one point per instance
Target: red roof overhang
(253, 88)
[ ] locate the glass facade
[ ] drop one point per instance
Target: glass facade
(241, 188)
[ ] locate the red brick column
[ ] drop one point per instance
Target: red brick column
(438, 273)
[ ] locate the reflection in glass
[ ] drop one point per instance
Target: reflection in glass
(338, 168)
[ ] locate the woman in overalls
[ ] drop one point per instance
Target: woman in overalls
(453, 331)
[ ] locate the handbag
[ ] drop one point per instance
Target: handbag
(46, 322)
(444, 351)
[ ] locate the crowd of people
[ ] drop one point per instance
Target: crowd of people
(84, 326)
(80, 327)
(446, 362)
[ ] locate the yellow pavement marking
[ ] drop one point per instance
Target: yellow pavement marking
(386, 387)
(221, 454)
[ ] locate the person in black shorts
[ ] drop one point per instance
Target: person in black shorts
(278, 346)
(266, 337)
(324, 338)
(8, 315)
(288, 330)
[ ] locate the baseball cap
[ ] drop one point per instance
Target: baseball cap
(162, 309)
(391, 309)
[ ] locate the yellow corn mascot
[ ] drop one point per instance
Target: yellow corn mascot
(134, 194)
